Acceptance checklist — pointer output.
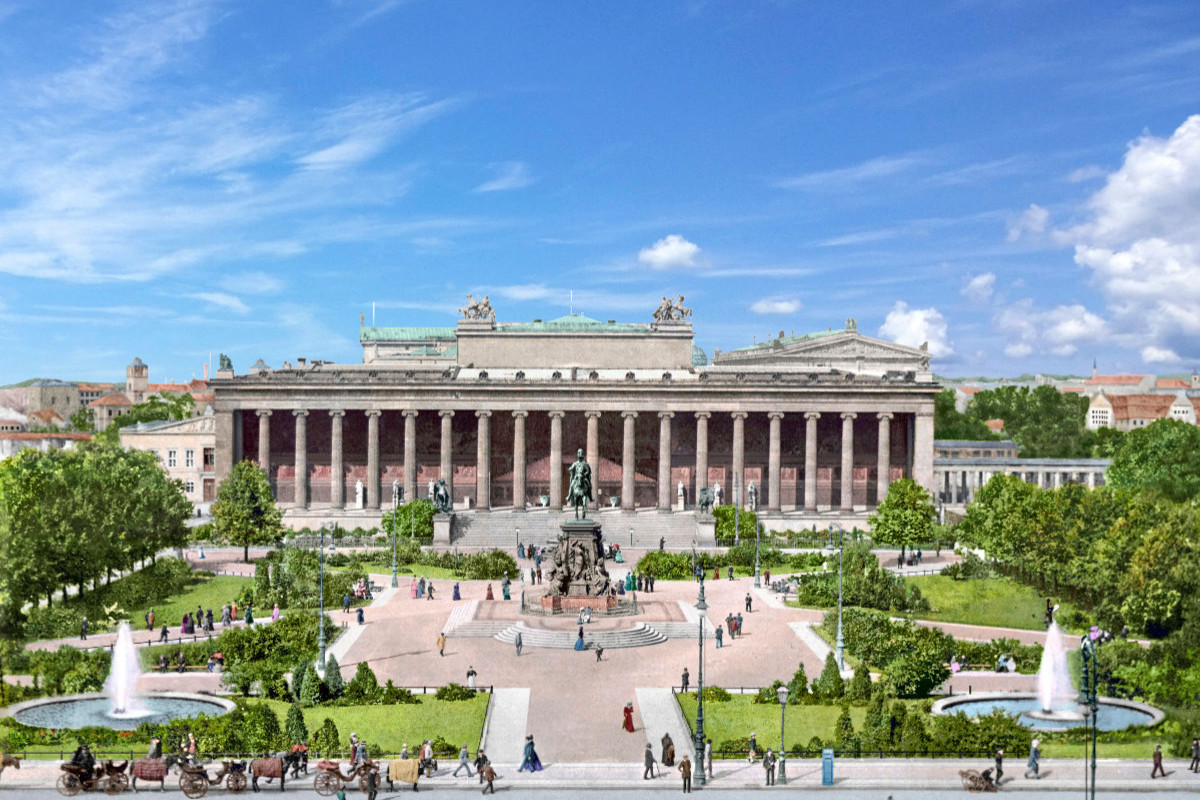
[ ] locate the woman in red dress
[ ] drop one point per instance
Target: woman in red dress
(628, 723)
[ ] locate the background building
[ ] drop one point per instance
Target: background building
(186, 449)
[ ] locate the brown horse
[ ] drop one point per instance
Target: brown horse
(268, 768)
(9, 761)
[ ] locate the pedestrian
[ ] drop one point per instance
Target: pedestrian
(421, 587)
(683, 682)
(662, 543)
(730, 572)
(226, 619)
(539, 574)
(668, 751)
(708, 757)
(208, 621)
(531, 757)
(505, 590)
(767, 575)
(488, 774)
(372, 782)
(150, 620)
(648, 772)
(1195, 765)
(471, 675)
(346, 603)
(1158, 767)
(162, 637)
(463, 763)
(518, 642)
(234, 609)
(999, 765)
(627, 723)
(520, 551)
(719, 629)
(441, 643)
(769, 767)
(753, 747)
(429, 587)
(481, 761)
(685, 769)
(599, 653)
(652, 580)
(275, 614)
(489, 595)
(361, 617)
(83, 626)
(249, 614)
(412, 588)
(741, 630)
(1035, 755)
(748, 603)
(456, 595)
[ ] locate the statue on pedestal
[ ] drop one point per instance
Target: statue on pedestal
(752, 496)
(358, 494)
(442, 504)
(579, 491)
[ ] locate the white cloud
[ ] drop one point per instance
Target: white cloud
(509, 175)
(1031, 221)
(912, 327)
(526, 291)
(1083, 174)
(222, 300)
(252, 282)
(366, 128)
(1018, 350)
(980, 287)
(1158, 355)
(845, 177)
(862, 237)
(776, 306)
(672, 251)
(1058, 331)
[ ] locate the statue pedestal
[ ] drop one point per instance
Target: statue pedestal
(579, 535)
(443, 526)
(706, 530)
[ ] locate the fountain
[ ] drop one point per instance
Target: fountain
(123, 675)
(1056, 695)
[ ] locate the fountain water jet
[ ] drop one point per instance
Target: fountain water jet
(121, 684)
(1056, 695)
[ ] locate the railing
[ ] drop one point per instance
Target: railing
(861, 753)
(102, 755)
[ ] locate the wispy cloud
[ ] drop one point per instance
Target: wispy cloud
(670, 251)
(847, 177)
(364, 129)
(776, 305)
(861, 237)
(509, 175)
(222, 300)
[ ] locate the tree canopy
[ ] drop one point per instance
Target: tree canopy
(905, 517)
(950, 423)
(245, 512)
(1164, 457)
(1043, 421)
(156, 407)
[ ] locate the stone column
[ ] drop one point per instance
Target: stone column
(264, 441)
(593, 452)
(447, 454)
(337, 469)
(627, 462)
(882, 480)
(737, 492)
(923, 449)
(300, 493)
(810, 460)
(1091, 479)
(664, 460)
(701, 452)
(519, 459)
(847, 505)
(774, 465)
(483, 461)
(373, 459)
(410, 455)
(556, 460)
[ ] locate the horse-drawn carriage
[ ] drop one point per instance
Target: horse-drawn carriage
(107, 777)
(975, 783)
(277, 766)
(404, 770)
(194, 781)
(329, 780)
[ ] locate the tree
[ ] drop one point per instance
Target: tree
(313, 691)
(327, 740)
(905, 517)
(333, 677)
(1164, 457)
(156, 407)
(1045, 422)
(876, 730)
(843, 731)
(913, 736)
(860, 684)
(829, 685)
(746, 521)
(295, 728)
(414, 518)
(1108, 443)
(83, 420)
(798, 686)
(245, 511)
(950, 423)
(364, 686)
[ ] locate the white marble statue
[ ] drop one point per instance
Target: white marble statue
(752, 496)
(680, 491)
(716, 494)
(395, 494)
(358, 495)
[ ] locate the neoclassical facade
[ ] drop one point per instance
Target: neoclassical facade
(814, 424)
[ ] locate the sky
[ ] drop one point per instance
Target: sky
(1016, 182)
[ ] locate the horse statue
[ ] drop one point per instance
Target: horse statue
(442, 503)
(579, 491)
(707, 499)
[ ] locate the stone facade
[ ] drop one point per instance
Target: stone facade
(186, 450)
(818, 424)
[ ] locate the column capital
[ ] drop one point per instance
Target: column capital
(739, 414)
(521, 414)
(263, 412)
(703, 414)
(849, 415)
(593, 414)
(882, 415)
(629, 414)
(300, 412)
(445, 413)
(556, 414)
(774, 415)
(410, 412)
(666, 415)
(812, 414)
(373, 412)
(483, 414)
(337, 412)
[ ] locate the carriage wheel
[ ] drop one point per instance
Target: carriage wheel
(236, 783)
(327, 784)
(68, 785)
(362, 782)
(116, 783)
(193, 785)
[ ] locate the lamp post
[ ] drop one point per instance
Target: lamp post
(702, 610)
(321, 592)
(757, 570)
(782, 691)
(693, 559)
(840, 644)
(395, 534)
(736, 508)
(1088, 699)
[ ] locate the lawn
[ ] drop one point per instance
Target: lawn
(390, 727)
(985, 601)
(207, 592)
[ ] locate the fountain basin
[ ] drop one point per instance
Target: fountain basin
(1114, 714)
(87, 710)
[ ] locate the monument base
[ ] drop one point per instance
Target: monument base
(443, 527)
(557, 603)
(706, 530)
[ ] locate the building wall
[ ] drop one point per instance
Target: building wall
(62, 398)
(182, 456)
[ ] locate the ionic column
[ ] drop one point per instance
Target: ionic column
(373, 459)
(664, 460)
(701, 452)
(882, 480)
(627, 464)
(300, 493)
(556, 459)
(810, 460)
(483, 461)
(264, 441)
(519, 459)
(410, 455)
(593, 451)
(447, 454)
(738, 490)
(774, 465)
(923, 450)
(847, 462)
(337, 478)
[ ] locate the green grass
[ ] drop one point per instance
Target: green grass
(390, 727)
(207, 592)
(996, 602)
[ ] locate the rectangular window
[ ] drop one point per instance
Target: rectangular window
(172, 457)
(189, 487)
(189, 458)
(210, 459)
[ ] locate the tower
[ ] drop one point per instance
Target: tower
(137, 380)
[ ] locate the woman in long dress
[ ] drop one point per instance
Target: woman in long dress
(456, 595)
(471, 673)
(579, 645)
(628, 723)
(412, 589)
(489, 596)
(531, 762)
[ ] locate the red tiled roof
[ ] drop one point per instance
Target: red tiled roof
(1140, 406)
(26, 437)
(114, 399)
(1172, 383)
(96, 387)
(171, 388)
(995, 425)
(970, 389)
(1115, 380)
(1075, 389)
(204, 397)
(197, 385)
(46, 416)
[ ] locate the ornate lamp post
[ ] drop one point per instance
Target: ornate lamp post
(702, 608)
(757, 571)
(321, 591)
(782, 691)
(736, 515)
(840, 644)
(395, 534)
(1089, 700)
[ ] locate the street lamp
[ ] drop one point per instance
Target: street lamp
(736, 515)
(395, 534)
(757, 571)
(702, 610)
(782, 691)
(321, 592)
(1087, 698)
(840, 645)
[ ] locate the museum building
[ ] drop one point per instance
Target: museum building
(799, 427)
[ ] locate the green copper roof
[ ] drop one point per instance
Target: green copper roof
(369, 334)
(786, 340)
(699, 357)
(571, 323)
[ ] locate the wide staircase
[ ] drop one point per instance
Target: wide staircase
(640, 634)
(503, 529)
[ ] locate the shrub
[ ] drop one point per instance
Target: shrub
(363, 688)
(394, 695)
(261, 731)
(715, 694)
(798, 687)
(294, 727)
(829, 685)
(913, 736)
(314, 692)
(333, 677)
(815, 745)
(327, 740)
(666, 566)
(860, 685)
(454, 692)
(768, 695)
(843, 730)
(492, 565)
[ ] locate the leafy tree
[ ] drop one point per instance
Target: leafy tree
(261, 728)
(829, 685)
(1045, 422)
(843, 731)
(313, 692)
(905, 517)
(798, 687)
(913, 736)
(364, 686)
(156, 407)
(414, 518)
(262, 583)
(950, 423)
(83, 420)
(327, 740)
(333, 677)
(245, 511)
(295, 728)
(746, 521)
(860, 684)
(1164, 457)
(1108, 443)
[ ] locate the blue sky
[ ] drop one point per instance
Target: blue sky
(1017, 183)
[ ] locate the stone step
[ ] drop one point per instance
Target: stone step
(502, 529)
(481, 629)
(639, 635)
